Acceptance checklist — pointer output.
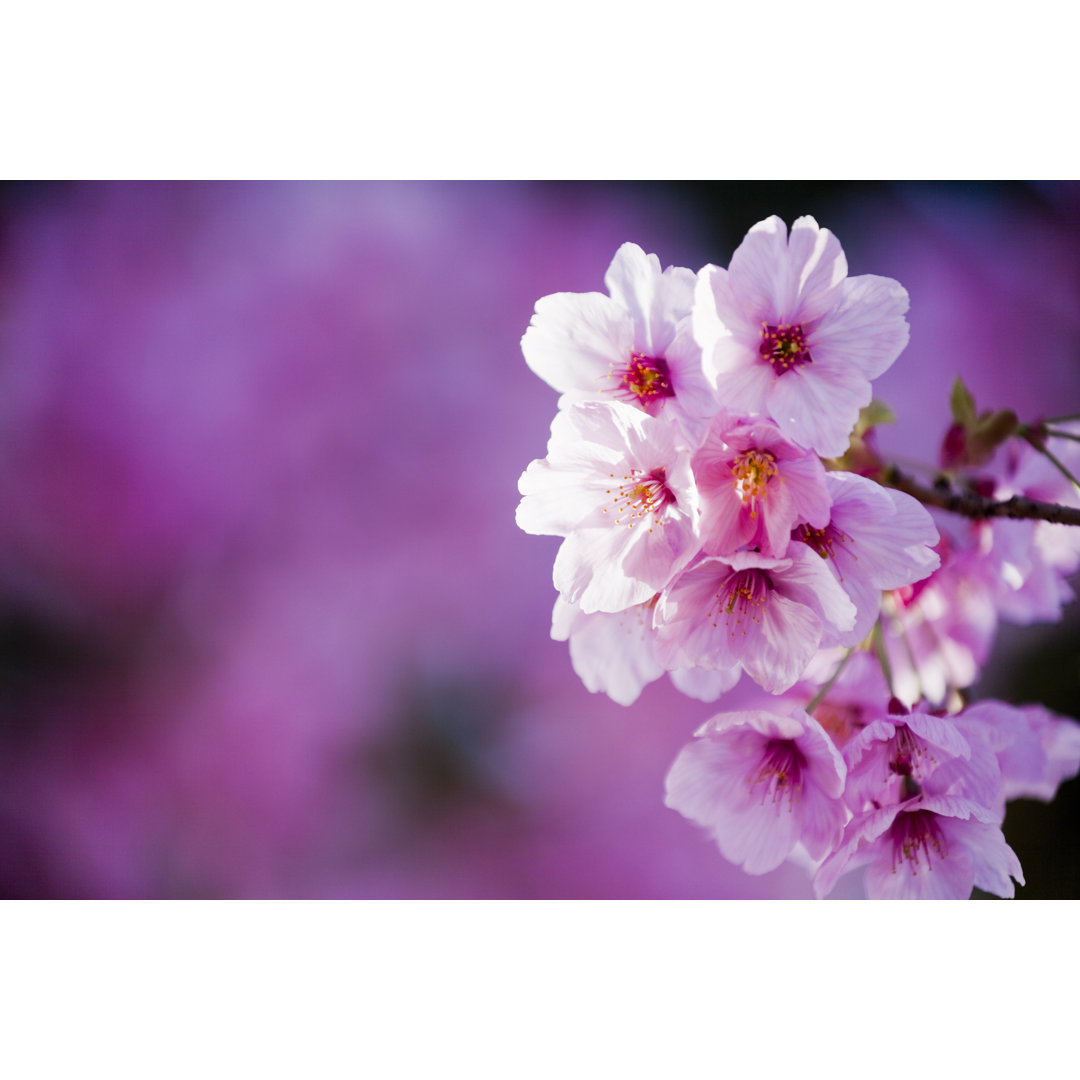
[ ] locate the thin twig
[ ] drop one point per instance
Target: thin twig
(1060, 467)
(878, 638)
(1054, 434)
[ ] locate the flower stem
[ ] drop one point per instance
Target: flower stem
(817, 699)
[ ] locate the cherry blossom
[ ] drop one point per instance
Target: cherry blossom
(938, 631)
(875, 539)
(765, 615)
(617, 488)
(761, 783)
(612, 652)
(1034, 558)
(705, 536)
(901, 748)
(635, 346)
(755, 486)
(857, 691)
(785, 333)
(615, 653)
(927, 848)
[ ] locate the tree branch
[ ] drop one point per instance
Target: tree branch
(971, 505)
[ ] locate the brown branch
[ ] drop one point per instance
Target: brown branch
(971, 505)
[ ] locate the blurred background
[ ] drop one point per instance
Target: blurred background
(267, 627)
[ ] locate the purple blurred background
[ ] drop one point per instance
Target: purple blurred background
(267, 627)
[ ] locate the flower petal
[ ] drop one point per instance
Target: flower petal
(867, 329)
(575, 338)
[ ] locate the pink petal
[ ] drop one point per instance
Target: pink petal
(808, 581)
(867, 329)
(776, 651)
(759, 274)
(817, 405)
(818, 270)
(951, 878)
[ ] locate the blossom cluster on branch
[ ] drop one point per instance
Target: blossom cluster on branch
(725, 515)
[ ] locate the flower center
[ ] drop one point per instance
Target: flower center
(743, 593)
(916, 835)
(820, 540)
(645, 381)
(640, 494)
(752, 470)
(784, 347)
(906, 752)
(780, 772)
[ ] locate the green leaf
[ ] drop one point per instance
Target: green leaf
(962, 403)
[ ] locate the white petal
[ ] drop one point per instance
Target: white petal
(574, 339)
(760, 274)
(656, 301)
(611, 653)
(818, 270)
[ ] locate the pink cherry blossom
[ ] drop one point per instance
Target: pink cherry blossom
(1034, 557)
(938, 631)
(787, 334)
(927, 848)
(755, 486)
(785, 566)
(761, 783)
(1059, 737)
(635, 346)
(617, 488)
(875, 539)
(900, 748)
(765, 615)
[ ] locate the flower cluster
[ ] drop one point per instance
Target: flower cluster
(712, 474)
(940, 631)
